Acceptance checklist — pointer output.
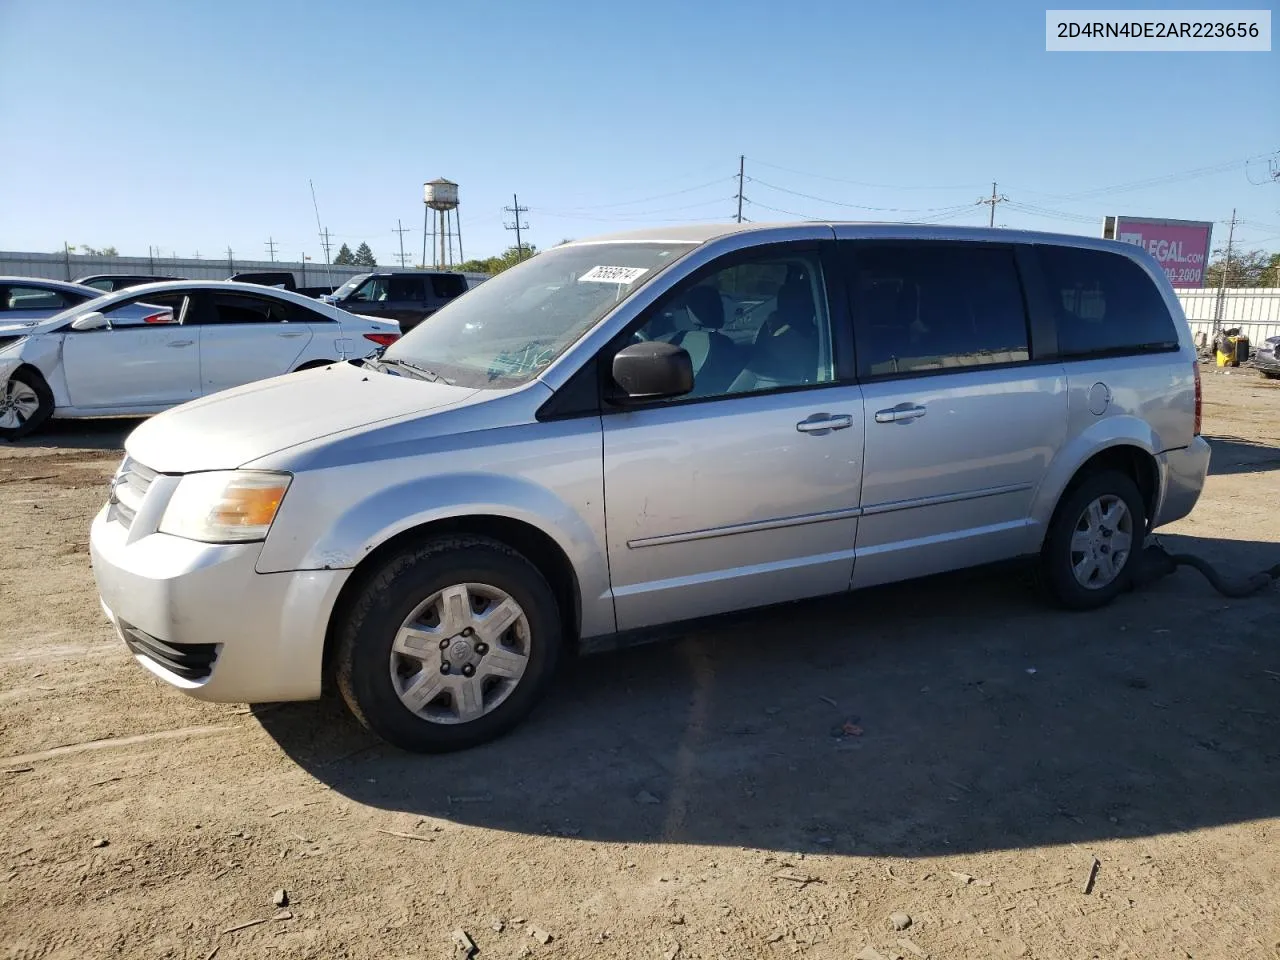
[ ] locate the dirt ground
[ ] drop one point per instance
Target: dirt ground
(950, 750)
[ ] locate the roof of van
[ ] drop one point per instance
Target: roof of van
(702, 232)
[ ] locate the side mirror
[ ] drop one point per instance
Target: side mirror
(90, 321)
(653, 370)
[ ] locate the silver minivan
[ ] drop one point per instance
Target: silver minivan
(650, 428)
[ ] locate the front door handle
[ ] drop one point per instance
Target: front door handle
(288, 336)
(822, 423)
(180, 343)
(902, 413)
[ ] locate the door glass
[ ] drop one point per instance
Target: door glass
(932, 307)
(760, 324)
(229, 308)
(33, 298)
(407, 289)
(373, 290)
(446, 286)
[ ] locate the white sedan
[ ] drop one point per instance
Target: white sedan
(144, 349)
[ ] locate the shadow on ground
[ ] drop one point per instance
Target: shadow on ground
(1236, 455)
(977, 719)
(108, 433)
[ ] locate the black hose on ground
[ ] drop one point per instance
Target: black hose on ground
(1155, 562)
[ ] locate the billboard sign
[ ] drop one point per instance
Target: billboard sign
(1181, 246)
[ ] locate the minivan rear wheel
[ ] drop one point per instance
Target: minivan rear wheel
(449, 644)
(1088, 555)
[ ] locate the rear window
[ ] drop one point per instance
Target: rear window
(1105, 304)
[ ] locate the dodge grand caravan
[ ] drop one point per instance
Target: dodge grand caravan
(655, 427)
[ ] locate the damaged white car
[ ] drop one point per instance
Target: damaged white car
(145, 349)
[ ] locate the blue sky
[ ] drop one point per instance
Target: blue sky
(196, 126)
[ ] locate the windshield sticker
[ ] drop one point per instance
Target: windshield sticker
(613, 275)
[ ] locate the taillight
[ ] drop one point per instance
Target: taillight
(1195, 365)
(164, 316)
(387, 339)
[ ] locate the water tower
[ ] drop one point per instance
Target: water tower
(441, 199)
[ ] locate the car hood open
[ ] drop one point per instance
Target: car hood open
(231, 428)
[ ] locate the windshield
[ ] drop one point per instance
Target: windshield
(350, 285)
(507, 330)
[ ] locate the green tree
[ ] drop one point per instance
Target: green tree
(95, 252)
(494, 265)
(1271, 277)
(364, 256)
(345, 257)
(1249, 268)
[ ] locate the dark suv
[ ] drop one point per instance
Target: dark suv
(408, 297)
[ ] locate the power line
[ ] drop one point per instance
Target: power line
(841, 203)
(1191, 174)
(402, 230)
(515, 210)
(656, 196)
(863, 183)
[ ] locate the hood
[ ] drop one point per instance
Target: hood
(229, 429)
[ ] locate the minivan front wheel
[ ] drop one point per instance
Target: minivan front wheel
(449, 644)
(1088, 555)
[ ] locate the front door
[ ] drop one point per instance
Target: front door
(147, 358)
(745, 492)
(244, 338)
(961, 423)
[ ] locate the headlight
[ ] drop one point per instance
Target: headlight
(225, 506)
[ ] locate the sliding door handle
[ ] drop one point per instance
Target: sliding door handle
(902, 413)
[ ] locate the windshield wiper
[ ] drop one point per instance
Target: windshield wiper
(423, 372)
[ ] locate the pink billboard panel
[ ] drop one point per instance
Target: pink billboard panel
(1181, 246)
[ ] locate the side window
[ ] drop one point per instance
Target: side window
(34, 298)
(920, 307)
(1105, 303)
(233, 308)
(407, 288)
(446, 286)
(760, 324)
(102, 283)
(373, 290)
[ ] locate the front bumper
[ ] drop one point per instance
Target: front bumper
(199, 616)
(1182, 475)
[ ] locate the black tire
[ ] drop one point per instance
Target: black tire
(44, 396)
(1056, 570)
(404, 581)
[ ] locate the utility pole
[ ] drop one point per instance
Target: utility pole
(742, 163)
(515, 210)
(993, 200)
(231, 263)
(402, 230)
(1226, 269)
(324, 242)
(271, 248)
(66, 259)
(152, 257)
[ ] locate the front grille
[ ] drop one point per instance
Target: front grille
(191, 661)
(130, 485)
